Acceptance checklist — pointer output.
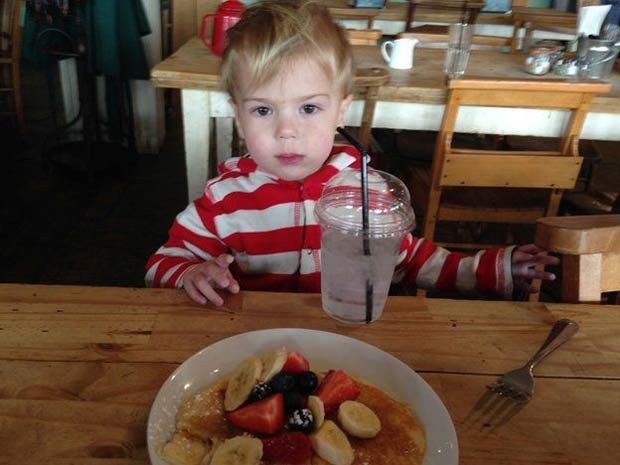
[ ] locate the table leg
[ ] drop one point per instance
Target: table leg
(224, 137)
(196, 135)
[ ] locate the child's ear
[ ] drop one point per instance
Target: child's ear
(237, 119)
(344, 107)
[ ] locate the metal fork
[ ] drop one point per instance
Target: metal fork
(518, 385)
(511, 392)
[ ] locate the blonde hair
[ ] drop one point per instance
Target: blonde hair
(273, 33)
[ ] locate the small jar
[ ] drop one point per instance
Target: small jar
(539, 61)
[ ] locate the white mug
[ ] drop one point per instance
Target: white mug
(401, 53)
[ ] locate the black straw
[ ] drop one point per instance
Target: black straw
(365, 226)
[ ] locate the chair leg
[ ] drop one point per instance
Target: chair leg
(555, 197)
(431, 216)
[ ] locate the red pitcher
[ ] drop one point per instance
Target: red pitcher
(228, 13)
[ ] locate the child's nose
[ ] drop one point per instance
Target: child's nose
(286, 128)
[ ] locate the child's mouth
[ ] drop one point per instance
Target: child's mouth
(289, 158)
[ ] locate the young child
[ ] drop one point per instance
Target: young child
(289, 72)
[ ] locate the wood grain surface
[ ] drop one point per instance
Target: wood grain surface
(193, 66)
(80, 367)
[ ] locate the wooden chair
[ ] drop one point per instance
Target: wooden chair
(540, 19)
(467, 9)
(367, 14)
(590, 248)
(367, 83)
(10, 49)
(364, 36)
(461, 179)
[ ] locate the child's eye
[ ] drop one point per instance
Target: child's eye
(262, 111)
(309, 109)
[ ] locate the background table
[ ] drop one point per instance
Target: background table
(412, 99)
(80, 367)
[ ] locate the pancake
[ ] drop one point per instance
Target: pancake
(202, 415)
(401, 439)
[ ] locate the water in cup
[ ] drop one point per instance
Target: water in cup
(345, 270)
(456, 61)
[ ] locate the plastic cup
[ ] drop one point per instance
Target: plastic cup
(345, 270)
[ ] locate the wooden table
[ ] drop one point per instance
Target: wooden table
(412, 99)
(80, 367)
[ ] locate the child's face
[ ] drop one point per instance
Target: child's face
(289, 122)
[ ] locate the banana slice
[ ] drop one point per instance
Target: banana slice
(240, 450)
(332, 445)
(272, 363)
(241, 383)
(315, 404)
(358, 420)
(184, 449)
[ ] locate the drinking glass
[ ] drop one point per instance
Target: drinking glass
(459, 45)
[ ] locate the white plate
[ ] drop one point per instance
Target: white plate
(323, 350)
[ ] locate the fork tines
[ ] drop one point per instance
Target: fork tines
(505, 390)
(493, 409)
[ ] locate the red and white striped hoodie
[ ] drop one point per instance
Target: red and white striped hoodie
(269, 226)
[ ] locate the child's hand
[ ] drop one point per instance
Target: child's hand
(200, 281)
(524, 259)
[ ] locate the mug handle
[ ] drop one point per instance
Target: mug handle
(387, 57)
(203, 28)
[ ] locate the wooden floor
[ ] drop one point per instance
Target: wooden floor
(58, 228)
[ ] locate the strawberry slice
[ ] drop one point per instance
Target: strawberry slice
(293, 448)
(295, 364)
(335, 389)
(264, 417)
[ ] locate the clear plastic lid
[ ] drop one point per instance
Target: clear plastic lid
(389, 203)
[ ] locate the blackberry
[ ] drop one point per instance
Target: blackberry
(293, 400)
(300, 420)
(282, 382)
(259, 392)
(307, 382)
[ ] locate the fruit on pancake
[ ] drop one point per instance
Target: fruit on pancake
(272, 363)
(240, 450)
(282, 382)
(260, 391)
(290, 448)
(306, 382)
(315, 405)
(332, 445)
(295, 363)
(335, 388)
(264, 417)
(358, 420)
(184, 449)
(241, 383)
(300, 420)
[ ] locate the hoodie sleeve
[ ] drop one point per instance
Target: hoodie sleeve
(192, 239)
(427, 266)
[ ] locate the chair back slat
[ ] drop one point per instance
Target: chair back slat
(363, 36)
(519, 98)
(473, 170)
